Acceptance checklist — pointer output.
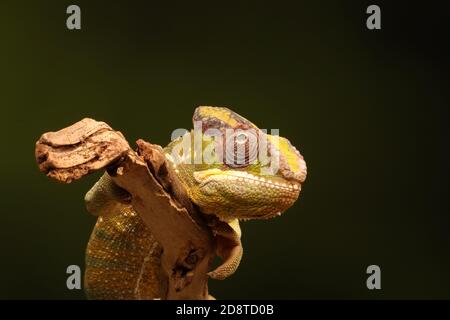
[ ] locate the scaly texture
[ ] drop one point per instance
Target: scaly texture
(123, 257)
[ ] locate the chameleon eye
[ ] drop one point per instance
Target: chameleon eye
(241, 148)
(241, 138)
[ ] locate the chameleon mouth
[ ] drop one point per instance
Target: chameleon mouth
(203, 177)
(245, 177)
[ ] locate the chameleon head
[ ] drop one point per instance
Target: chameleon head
(254, 175)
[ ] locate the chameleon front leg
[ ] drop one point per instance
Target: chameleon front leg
(229, 248)
(105, 198)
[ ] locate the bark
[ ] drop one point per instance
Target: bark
(156, 195)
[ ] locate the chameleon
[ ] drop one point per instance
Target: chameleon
(123, 257)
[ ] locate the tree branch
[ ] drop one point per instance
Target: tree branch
(157, 196)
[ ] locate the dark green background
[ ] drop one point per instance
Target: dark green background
(367, 109)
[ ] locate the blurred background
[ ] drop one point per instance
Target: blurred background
(367, 109)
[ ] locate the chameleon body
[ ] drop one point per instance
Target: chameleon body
(123, 258)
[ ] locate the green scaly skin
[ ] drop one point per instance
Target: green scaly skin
(123, 258)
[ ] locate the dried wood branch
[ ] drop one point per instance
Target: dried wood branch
(156, 195)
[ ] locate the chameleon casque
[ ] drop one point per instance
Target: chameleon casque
(123, 258)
